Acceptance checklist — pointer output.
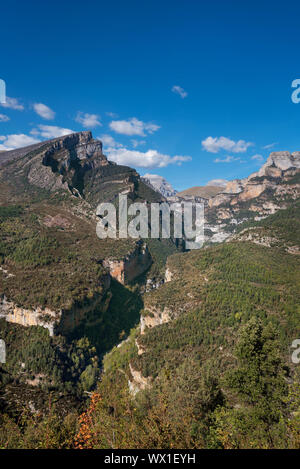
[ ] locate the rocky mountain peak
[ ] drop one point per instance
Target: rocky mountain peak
(277, 162)
(159, 184)
(59, 163)
(270, 189)
(74, 163)
(80, 145)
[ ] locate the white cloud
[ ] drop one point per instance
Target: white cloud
(13, 103)
(271, 145)
(109, 141)
(10, 142)
(178, 90)
(137, 143)
(51, 131)
(257, 157)
(4, 118)
(44, 111)
(133, 126)
(217, 182)
(148, 159)
(88, 120)
(216, 144)
(227, 159)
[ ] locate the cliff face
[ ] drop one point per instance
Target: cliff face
(76, 164)
(59, 164)
(154, 317)
(61, 321)
(54, 270)
(137, 382)
(134, 264)
(26, 317)
(268, 190)
(159, 184)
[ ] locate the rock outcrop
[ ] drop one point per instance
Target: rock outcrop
(62, 163)
(282, 160)
(26, 317)
(137, 382)
(259, 195)
(61, 321)
(159, 184)
(134, 264)
(234, 187)
(154, 317)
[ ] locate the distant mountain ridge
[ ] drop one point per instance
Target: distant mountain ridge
(205, 192)
(159, 184)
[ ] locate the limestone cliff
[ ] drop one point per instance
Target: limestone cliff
(134, 264)
(153, 317)
(137, 382)
(61, 321)
(261, 194)
(26, 317)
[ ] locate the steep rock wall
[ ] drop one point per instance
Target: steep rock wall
(133, 265)
(60, 321)
(26, 317)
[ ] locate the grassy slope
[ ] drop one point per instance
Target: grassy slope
(201, 191)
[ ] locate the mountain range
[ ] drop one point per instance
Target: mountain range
(161, 338)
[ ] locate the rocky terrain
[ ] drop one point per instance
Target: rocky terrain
(62, 181)
(262, 210)
(159, 184)
(275, 186)
(157, 324)
(55, 273)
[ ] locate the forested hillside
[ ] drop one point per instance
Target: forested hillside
(220, 373)
(217, 375)
(134, 343)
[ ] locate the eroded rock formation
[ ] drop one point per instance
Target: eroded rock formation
(134, 264)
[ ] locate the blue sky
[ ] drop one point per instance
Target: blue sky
(162, 81)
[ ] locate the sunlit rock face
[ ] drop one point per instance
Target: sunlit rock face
(233, 187)
(280, 160)
(255, 197)
(160, 184)
(131, 266)
(35, 317)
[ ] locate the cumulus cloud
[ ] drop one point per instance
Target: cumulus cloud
(4, 118)
(133, 126)
(109, 141)
(217, 182)
(13, 141)
(44, 111)
(148, 159)
(180, 91)
(88, 120)
(216, 144)
(51, 131)
(13, 103)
